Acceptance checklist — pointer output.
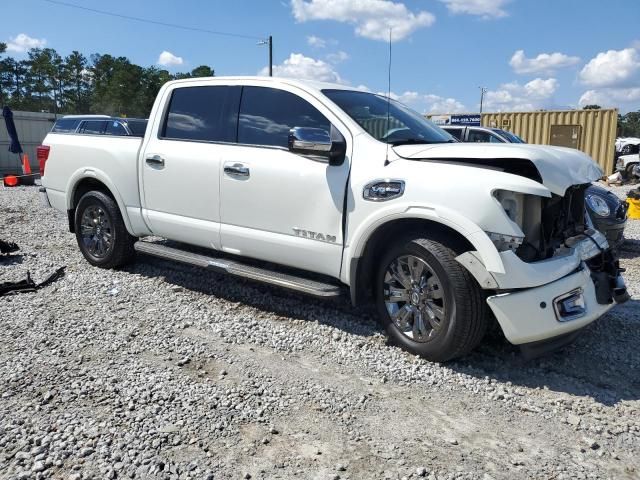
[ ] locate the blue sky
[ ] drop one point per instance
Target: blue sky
(529, 54)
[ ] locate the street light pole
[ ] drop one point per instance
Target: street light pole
(483, 90)
(269, 42)
(270, 56)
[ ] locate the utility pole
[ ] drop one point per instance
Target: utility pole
(483, 90)
(269, 43)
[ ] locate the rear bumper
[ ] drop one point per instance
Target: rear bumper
(44, 197)
(530, 315)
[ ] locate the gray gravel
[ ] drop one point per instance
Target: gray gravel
(164, 371)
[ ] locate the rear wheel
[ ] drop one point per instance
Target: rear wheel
(628, 171)
(428, 303)
(100, 231)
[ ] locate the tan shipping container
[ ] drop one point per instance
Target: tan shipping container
(592, 131)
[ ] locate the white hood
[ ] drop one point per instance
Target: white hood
(559, 167)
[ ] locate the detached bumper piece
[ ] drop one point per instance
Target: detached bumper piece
(605, 273)
(28, 285)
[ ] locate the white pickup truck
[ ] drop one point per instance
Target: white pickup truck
(318, 187)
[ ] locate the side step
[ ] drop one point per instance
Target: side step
(233, 267)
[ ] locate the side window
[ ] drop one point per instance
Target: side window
(455, 132)
(479, 136)
(65, 125)
(267, 115)
(495, 139)
(116, 128)
(203, 114)
(93, 127)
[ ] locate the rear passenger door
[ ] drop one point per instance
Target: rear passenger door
(181, 166)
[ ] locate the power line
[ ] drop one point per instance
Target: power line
(154, 22)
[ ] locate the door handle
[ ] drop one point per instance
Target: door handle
(156, 161)
(237, 169)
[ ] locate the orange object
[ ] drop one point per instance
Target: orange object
(26, 168)
(10, 181)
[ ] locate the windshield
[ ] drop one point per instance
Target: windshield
(509, 136)
(387, 121)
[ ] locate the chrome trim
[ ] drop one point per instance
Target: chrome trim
(366, 192)
(556, 301)
(237, 169)
(292, 282)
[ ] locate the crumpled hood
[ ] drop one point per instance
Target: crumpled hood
(559, 167)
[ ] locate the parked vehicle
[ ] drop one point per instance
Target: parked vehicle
(628, 157)
(100, 125)
(344, 189)
(608, 213)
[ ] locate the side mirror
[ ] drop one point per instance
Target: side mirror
(317, 142)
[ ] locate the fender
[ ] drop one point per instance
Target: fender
(483, 245)
(99, 175)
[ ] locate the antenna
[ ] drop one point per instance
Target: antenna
(386, 161)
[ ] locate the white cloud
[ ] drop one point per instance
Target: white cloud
(482, 8)
(544, 63)
(614, 68)
(300, 66)
(372, 18)
(316, 42)
(534, 95)
(428, 103)
(168, 59)
(625, 99)
(24, 42)
(337, 57)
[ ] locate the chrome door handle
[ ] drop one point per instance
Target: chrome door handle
(156, 161)
(237, 170)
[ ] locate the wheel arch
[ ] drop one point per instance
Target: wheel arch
(369, 248)
(87, 183)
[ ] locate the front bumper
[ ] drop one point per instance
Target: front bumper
(529, 315)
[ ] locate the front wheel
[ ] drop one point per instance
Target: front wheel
(100, 231)
(428, 303)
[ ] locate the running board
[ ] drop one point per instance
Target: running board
(233, 267)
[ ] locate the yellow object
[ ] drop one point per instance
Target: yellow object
(634, 208)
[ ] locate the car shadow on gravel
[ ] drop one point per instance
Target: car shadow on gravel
(602, 363)
(336, 313)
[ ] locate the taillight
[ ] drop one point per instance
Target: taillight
(42, 152)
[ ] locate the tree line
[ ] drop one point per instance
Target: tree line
(75, 84)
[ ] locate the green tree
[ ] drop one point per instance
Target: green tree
(202, 71)
(592, 107)
(629, 124)
(77, 95)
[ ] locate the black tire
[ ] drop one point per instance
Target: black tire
(120, 249)
(628, 171)
(464, 315)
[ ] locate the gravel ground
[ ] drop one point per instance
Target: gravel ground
(164, 371)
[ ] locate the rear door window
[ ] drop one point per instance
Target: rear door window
(116, 128)
(206, 114)
(93, 127)
(267, 115)
(482, 136)
(454, 132)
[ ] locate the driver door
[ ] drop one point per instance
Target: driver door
(276, 205)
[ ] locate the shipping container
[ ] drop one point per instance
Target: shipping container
(592, 131)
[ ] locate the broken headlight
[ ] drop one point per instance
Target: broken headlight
(598, 205)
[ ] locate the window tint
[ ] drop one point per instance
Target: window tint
(137, 127)
(203, 114)
(479, 136)
(454, 132)
(267, 115)
(66, 125)
(116, 128)
(94, 127)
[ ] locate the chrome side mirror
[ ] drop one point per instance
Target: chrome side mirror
(317, 142)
